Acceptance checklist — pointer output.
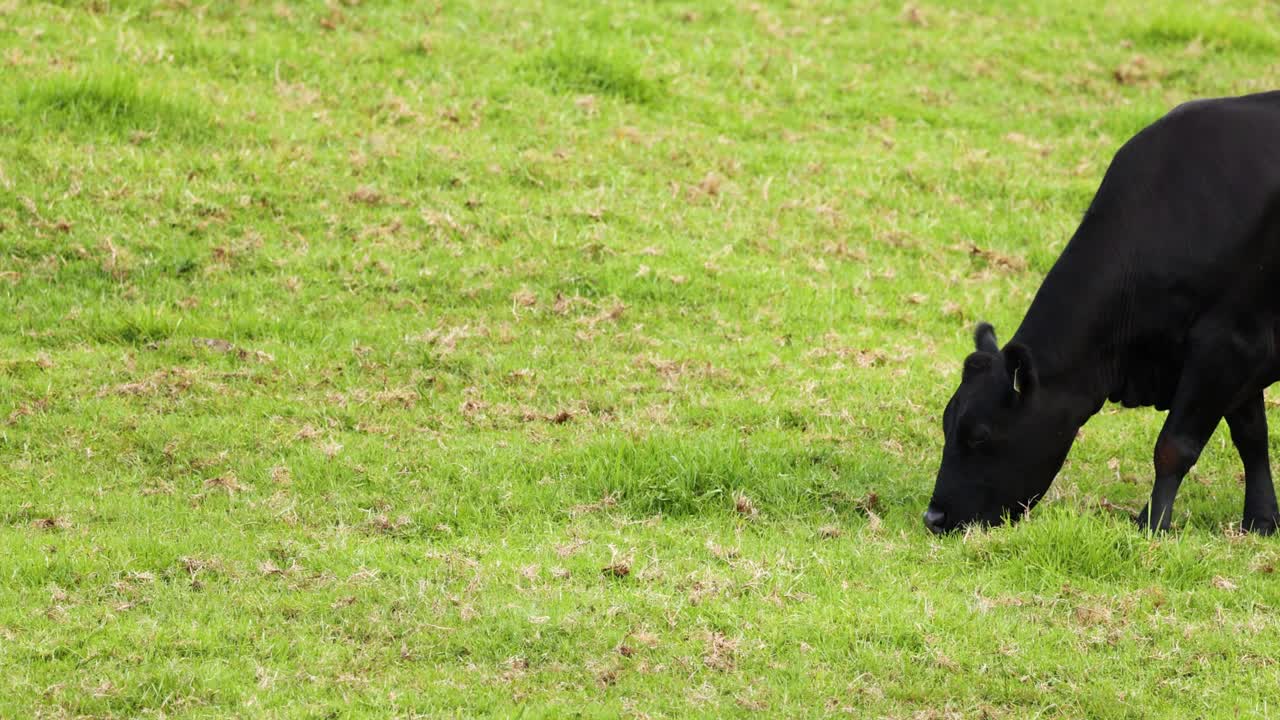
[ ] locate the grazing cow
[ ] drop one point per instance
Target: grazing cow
(1168, 295)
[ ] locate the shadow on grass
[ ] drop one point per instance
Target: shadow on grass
(567, 68)
(107, 103)
(1213, 31)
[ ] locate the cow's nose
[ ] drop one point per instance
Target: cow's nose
(933, 520)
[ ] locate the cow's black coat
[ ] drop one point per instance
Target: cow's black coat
(1167, 295)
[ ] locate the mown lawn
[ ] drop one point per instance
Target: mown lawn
(578, 359)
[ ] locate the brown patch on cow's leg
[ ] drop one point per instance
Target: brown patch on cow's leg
(1215, 367)
(1172, 460)
(1168, 458)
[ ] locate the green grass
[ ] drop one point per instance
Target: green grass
(109, 104)
(576, 70)
(554, 359)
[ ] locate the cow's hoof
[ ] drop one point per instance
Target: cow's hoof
(1143, 521)
(1261, 525)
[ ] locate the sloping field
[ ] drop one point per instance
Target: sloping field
(578, 359)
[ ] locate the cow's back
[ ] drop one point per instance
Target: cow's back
(1193, 187)
(1185, 225)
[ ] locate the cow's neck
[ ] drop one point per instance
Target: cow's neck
(1073, 325)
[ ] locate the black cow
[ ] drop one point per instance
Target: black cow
(1168, 295)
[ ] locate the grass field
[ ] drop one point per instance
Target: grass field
(578, 359)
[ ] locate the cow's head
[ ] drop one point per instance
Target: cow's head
(1004, 440)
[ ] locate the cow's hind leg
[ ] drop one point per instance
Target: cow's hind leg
(1248, 423)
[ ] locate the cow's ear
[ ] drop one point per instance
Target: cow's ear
(1021, 369)
(976, 364)
(984, 338)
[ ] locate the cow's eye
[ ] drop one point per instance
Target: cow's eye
(978, 437)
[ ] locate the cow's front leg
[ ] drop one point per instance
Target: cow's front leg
(1248, 423)
(1213, 374)
(1177, 450)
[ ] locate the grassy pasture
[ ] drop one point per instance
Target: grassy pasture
(376, 358)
